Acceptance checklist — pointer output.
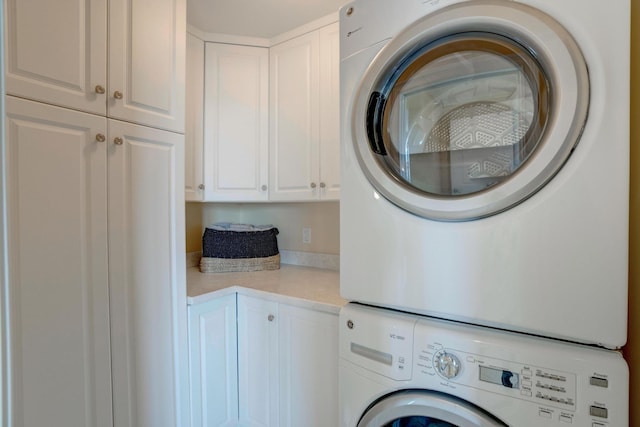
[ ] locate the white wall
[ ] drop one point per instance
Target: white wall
(290, 218)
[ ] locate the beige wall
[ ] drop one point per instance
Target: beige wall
(323, 218)
(632, 350)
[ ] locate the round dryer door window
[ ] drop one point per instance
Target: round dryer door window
(424, 408)
(471, 110)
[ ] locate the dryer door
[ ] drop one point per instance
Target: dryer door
(471, 110)
(423, 408)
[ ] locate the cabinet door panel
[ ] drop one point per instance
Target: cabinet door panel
(214, 363)
(308, 355)
(56, 52)
(257, 362)
(330, 112)
(194, 127)
(58, 294)
(146, 62)
(294, 119)
(236, 123)
(147, 276)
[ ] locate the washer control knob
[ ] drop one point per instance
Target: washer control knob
(447, 364)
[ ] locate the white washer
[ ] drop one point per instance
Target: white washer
(485, 162)
(405, 370)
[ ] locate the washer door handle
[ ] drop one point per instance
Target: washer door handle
(374, 123)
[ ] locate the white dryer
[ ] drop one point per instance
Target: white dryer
(405, 370)
(485, 162)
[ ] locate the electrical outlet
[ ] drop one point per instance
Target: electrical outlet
(306, 235)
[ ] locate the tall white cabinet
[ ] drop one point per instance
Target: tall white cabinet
(58, 265)
(95, 202)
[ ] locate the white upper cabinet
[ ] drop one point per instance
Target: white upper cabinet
(62, 52)
(193, 131)
(236, 135)
(295, 91)
(146, 62)
(330, 112)
(304, 142)
(56, 52)
(271, 120)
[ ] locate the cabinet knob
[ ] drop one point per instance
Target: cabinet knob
(118, 141)
(117, 94)
(264, 188)
(100, 89)
(201, 187)
(323, 185)
(271, 317)
(100, 137)
(313, 185)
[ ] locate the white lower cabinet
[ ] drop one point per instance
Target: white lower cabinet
(258, 362)
(287, 364)
(308, 359)
(213, 369)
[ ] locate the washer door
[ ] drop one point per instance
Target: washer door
(425, 408)
(470, 110)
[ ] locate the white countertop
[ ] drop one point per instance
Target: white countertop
(313, 287)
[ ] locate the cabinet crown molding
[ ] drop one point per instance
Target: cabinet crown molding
(263, 42)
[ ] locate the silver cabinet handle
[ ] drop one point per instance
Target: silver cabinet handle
(264, 188)
(100, 89)
(118, 141)
(271, 317)
(117, 94)
(313, 185)
(323, 185)
(100, 137)
(201, 187)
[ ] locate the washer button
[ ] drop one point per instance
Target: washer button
(598, 411)
(544, 413)
(566, 419)
(599, 382)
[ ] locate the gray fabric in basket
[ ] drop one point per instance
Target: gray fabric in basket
(239, 244)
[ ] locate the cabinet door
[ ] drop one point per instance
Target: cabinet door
(193, 133)
(257, 362)
(58, 289)
(236, 123)
(56, 52)
(294, 119)
(147, 276)
(147, 62)
(213, 349)
(330, 112)
(308, 355)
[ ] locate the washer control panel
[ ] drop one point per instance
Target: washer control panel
(523, 380)
(507, 377)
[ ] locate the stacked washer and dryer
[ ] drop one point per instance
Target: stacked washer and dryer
(484, 213)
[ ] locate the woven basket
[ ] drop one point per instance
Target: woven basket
(227, 265)
(226, 251)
